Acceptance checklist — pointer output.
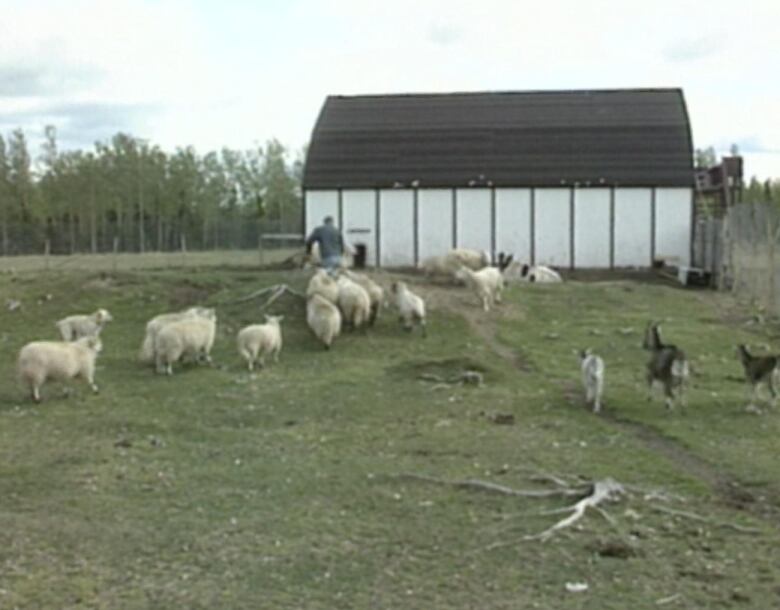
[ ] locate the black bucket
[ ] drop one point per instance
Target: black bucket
(359, 259)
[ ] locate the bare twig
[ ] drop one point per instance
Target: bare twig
(277, 290)
(479, 485)
(257, 293)
(694, 517)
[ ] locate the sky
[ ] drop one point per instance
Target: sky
(238, 73)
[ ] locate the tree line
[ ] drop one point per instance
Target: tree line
(130, 195)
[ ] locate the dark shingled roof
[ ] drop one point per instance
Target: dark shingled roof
(638, 137)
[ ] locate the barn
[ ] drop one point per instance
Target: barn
(572, 179)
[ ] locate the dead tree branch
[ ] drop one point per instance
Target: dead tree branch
(694, 517)
(277, 290)
(476, 484)
(603, 490)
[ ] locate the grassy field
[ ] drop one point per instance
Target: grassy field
(217, 488)
(128, 261)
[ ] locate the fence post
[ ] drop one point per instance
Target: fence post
(116, 253)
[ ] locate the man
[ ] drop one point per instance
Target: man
(330, 241)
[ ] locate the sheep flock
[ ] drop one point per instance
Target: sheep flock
(343, 300)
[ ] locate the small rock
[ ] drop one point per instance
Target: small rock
(576, 587)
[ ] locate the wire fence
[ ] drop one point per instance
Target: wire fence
(229, 244)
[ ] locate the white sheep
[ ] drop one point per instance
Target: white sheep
(193, 337)
(146, 353)
(323, 284)
(448, 264)
(487, 284)
(592, 368)
(354, 302)
(324, 319)
(473, 259)
(442, 265)
(375, 293)
(76, 327)
(58, 360)
(540, 274)
(411, 307)
(257, 341)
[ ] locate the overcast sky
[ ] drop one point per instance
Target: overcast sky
(235, 73)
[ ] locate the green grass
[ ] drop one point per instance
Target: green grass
(127, 261)
(220, 489)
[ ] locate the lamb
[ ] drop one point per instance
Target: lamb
(153, 326)
(668, 364)
(375, 293)
(59, 360)
(354, 302)
(533, 273)
(258, 340)
(487, 284)
(324, 319)
(592, 368)
(759, 369)
(410, 306)
(323, 284)
(188, 337)
(76, 327)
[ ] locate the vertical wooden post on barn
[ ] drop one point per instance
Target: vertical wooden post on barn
(724, 229)
(46, 253)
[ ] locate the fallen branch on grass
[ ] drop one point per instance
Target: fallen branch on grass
(605, 490)
(277, 290)
(694, 517)
(478, 485)
(591, 495)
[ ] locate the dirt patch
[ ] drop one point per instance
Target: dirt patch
(445, 370)
(188, 294)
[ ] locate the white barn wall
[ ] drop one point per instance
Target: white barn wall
(434, 213)
(673, 223)
(396, 230)
(474, 218)
(320, 204)
(633, 227)
(513, 222)
(552, 211)
(592, 227)
(358, 210)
